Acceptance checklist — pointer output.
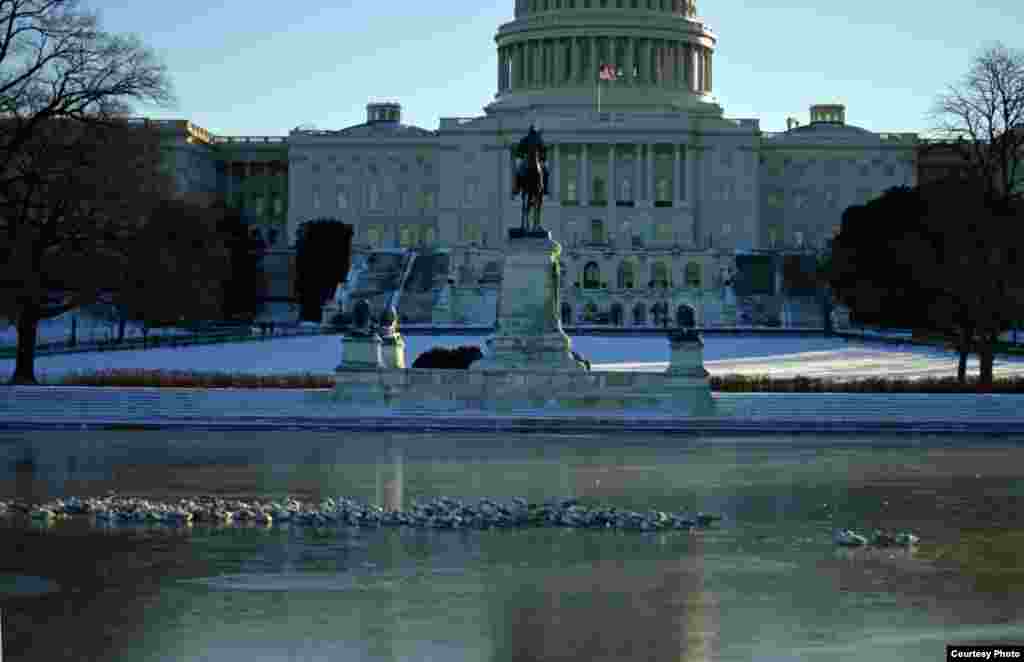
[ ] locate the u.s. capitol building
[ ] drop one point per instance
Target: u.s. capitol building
(658, 199)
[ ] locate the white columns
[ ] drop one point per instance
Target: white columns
(649, 175)
(537, 64)
(637, 179)
(676, 173)
(612, 180)
(709, 70)
(591, 76)
(696, 69)
(575, 62)
(556, 179)
(645, 61)
(501, 70)
(584, 174)
(628, 64)
(559, 75)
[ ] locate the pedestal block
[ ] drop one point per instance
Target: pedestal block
(392, 349)
(361, 352)
(529, 329)
(687, 357)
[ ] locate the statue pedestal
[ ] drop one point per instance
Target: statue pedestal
(361, 352)
(392, 349)
(529, 331)
(687, 355)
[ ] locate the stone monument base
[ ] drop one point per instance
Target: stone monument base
(362, 352)
(510, 389)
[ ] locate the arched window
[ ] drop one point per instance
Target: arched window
(617, 316)
(659, 274)
(627, 274)
(591, 276)
(692, 274)
(566, 314)
(639, 314)
(590, 312)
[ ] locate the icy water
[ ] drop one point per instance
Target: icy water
(765, 584)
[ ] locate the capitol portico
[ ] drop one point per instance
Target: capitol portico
(658, 199)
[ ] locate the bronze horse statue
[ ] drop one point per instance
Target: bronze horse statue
(531, 180)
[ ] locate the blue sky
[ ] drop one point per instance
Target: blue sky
(249, 67)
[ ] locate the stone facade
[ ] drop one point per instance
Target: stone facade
(652, 198)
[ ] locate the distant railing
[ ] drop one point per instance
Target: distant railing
(250, 139)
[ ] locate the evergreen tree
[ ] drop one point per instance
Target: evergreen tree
(323, 253)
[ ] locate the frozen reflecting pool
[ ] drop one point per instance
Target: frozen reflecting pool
(765, 583)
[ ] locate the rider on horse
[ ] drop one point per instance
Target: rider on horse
(522, 152)
(533, 157)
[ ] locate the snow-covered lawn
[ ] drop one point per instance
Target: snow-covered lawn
(725, 354)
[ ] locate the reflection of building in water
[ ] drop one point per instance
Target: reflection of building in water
(390, 481)
(596, 598)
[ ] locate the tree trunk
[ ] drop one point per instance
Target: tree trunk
(964, 347)
(986, 356)
(28, 324)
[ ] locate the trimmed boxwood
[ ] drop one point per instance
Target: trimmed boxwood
(449, 358)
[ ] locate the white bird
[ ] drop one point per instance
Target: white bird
(849, 538)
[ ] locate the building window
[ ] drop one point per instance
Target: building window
(429, 199)
(570, 191)
(663, 232)
(774, 234)
(597, 230)
(374, 235)
(374, 197)
(316, 197)
(372, 168)
(726, 158)
(890, 170)
(277, 203)
(776, 198)
(800, 199)
(591, 276)
(598, 196)
(798, 238)
(403, 197)
(406, 235)
(316, 168)
(272, 237)
(661, 188)
(470, 193)
(692, 274)
(639, 314)
(257, 205)
(659, 274)
(726, 228)
(471, 231)
(342, 198)
(865, 170)
(426, 235)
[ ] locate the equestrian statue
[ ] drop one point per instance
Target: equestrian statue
(531, 180)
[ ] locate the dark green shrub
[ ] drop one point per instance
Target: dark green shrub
(448, 358)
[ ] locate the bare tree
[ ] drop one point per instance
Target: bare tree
(56, 63)
(74, 181)
(983, 117)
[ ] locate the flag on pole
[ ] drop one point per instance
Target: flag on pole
(607, 72)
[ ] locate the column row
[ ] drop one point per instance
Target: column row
(679, 7)
(650, 164)
(575, 61)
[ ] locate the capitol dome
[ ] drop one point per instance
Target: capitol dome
(550, 54)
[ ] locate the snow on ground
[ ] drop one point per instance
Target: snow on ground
(90, 329)
(725, 354)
